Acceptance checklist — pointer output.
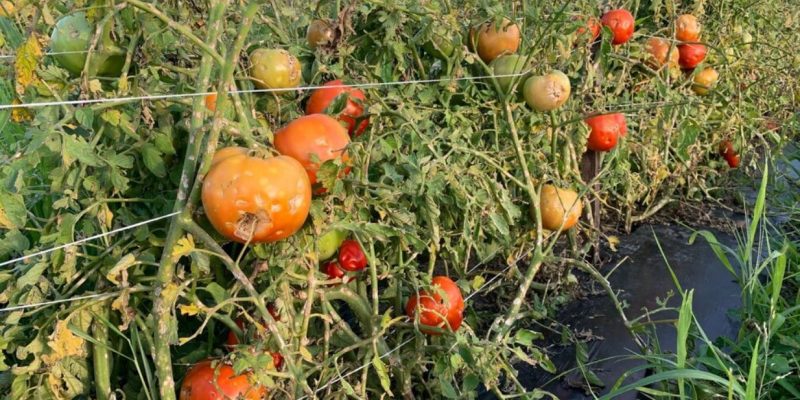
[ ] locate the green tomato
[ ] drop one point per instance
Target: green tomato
(509, 65)
(440, 46)
(329, 242)
(72, 36)
(274, 69)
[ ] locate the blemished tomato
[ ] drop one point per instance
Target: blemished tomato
(560, 208)
(329, 242)
(323, 97)
(211, 102)
(605, 131)
(351, 256)
(547, 92)
(704, 81)
(226, 153)
(274, 69)
(492, 42)
(621, 23)
(687, 28)
(72, 37)
(320, 33)
(435, 310)
(205, 382)
(317, 134)
(592, 28)
(660, 50)
(691, 55)
(504, 66)
(263, 200)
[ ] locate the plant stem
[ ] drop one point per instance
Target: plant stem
(100, 355)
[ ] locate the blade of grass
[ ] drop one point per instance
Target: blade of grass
(684, 323)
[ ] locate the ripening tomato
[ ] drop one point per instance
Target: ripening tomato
(206, 382)
(435, 310)
(605, 130)
(592, 28)
(726, 148)
(691, 55)
(687, 28)
(320, 33)
(547, 92)
(733, 161)
(704, 81)
(505, 67)
(211, 102)
(317, 134)
(226, 153)
(492, 43)
(351, 256)
(621, 23)
(323, 97)
(329, 243)
(263, 200)
(560, 208)
(274, 69)
(660, 50)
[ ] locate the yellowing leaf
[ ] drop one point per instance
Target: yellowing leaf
(118, 273)
(306, 354)
(184, 246)
(613, 242)
(95, 86)
(63, 343)
(189, 309)
(477, 282)
(28, 57)
(20, 114)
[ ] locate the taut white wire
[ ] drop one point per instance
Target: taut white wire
(55, 53)
(184, 95)
(88, 239)
(67, 300)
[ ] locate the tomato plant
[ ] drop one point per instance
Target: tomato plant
(621, 23)
(322, 98)
(441, 307)
(207, 381)
(312, 140)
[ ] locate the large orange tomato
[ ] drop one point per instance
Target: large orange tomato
(269, 198)
(323, 97)
(492, 43)
(660, 50)
(435, 310)
(205, 382)
(691, 55)
(621, 23)
(605, 131)
(687, 28)
(560, 208)
(317, 134)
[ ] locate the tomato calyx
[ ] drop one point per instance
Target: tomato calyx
(351, 256)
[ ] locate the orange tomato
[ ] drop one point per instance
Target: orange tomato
(704, 80)
(691, 55)
(659, 49)
(316, 134)
(268, 198)
(492, 43)
(560, 208)
(226, 153)
(211, 102)
(621, 23)
(435, 310)
(687, 28)
(323, 97)
(205, 382)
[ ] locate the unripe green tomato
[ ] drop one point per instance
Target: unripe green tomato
(440, 46)
(72, 37)
(274, 69)
(547, 92)
(508, 65)
(329, 242)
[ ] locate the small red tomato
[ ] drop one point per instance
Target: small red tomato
(621, 23)
(726, 148)
(351, 257)
(592, 28)
(691, 55)
(605, 131)
(323, 97)
(436, 310)
(333, 270)
(733, 160)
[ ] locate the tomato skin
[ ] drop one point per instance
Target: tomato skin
(274, 193)
(317, 134)
(274, 69)
(553, 205)
(704, 80)
(659, 49)
(605, 131)
(226, 153)
(592, 27)
(435, 311)
(351, 256)
(621, 23)
(320, 33)
(492, 43)
(548, 92)
(691, 55)
(323, 97)
(687, 28)
(202, 382)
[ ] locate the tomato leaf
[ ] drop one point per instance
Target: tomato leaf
(13, 214)
(383, 374)
(447, 389)
(85, 117)
(153, 161)
(76, 148)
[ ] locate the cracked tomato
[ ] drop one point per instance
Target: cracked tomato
(547, 92)
(442, 307)
(605, 131)
(687, 28)
(274, 69)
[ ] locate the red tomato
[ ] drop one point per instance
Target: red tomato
(323, 97)
(726, 148)
(592, 27)
(605, 131)
(733, 161)
(434, 310)
(691, 55)
(333, 270)
(621, 24)
(351, 257)
(205, 382)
